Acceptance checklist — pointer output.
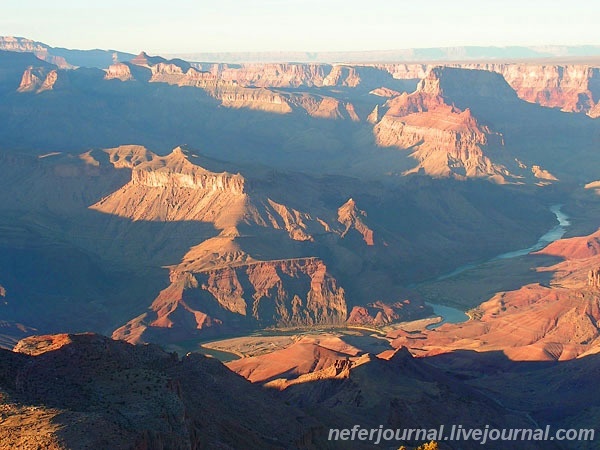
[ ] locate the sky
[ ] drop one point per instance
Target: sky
(185, 26)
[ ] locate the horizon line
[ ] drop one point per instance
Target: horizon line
(308, 51)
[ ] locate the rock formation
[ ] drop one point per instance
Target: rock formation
(306, 355)
(252, 98)
(256, 94)
(269, 75)
(18, 44)
(379, 313)
(384, 92)
(374, 116)
(594, 277)
(581, 247)
(290, 75)
(343, 390)
(144, 60)
(172, 188)
(283, 293)
(569, 87)
(352, 218)
(42, 51)
(556, 322)
(118, 71)
(445, 140)
(595, 186)
(572, 88)
(342, 76)
(38, 79)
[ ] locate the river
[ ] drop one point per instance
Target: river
(454, 315)
(447, 313)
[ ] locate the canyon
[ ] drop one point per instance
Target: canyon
(558, 321)
(437, 129)
(306, 221)
(441, 128)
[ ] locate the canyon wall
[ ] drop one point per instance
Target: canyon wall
(18, 44)
(568, 87)
(295, 292)
(445, 140)
(554, 321)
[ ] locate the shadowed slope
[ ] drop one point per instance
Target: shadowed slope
(87, 391)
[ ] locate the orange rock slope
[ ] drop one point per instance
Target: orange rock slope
(220, 285)
(176, 188)
(445, 140)
(569, 87)
(253, 87)
(294, 292)
(556, 322)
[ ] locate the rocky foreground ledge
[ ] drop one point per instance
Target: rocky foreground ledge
(88, 391)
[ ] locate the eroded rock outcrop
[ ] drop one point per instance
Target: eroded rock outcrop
(572, 88)
(253, 98)
(269, 75)
(172, 188)
(374, 116)
(308, 354)
(384, 92)
(254, 86)
(380, 313)
(19, 44)
(233, 93)
(344, 389)
(297, 292)
(323, 107)
(594, 185)
(569, 87)
(37, 79)
(342, 76)
(580, 247)
(559, 321)
(118, 71)
(403, 71)
(353, 219)
(293, 75)
(41, 51)
(143, 59)
(594, 278)
(445, 140)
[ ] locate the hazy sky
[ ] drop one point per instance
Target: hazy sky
(179, 26)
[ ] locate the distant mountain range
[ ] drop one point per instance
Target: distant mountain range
(462, 53)
(66, 58)
(63, 57)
